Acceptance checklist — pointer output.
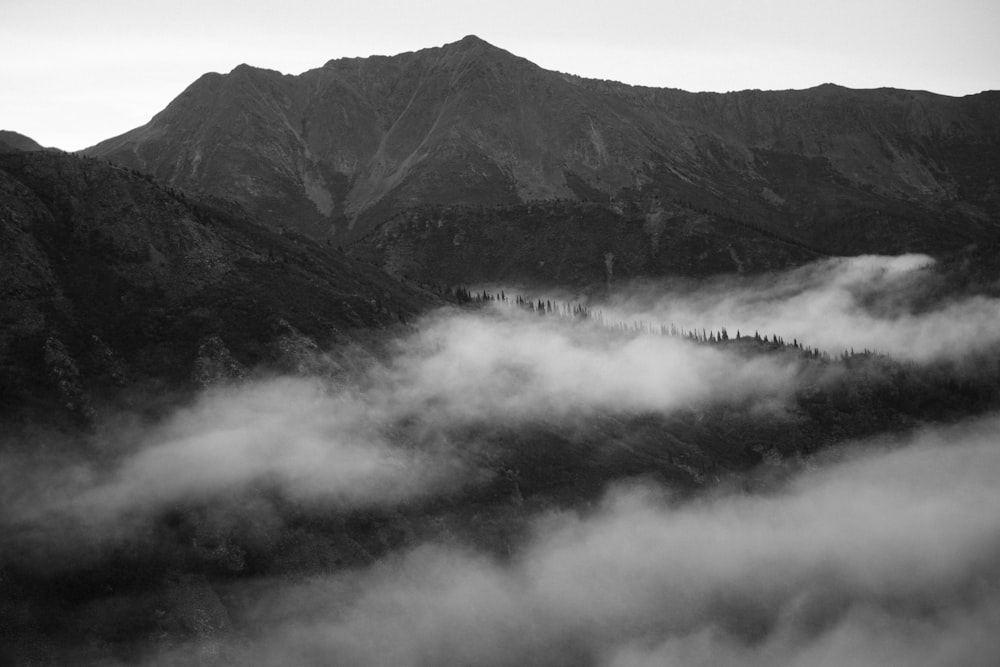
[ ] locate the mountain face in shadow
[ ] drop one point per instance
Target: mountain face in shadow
(112, 280)
(337, 151)
(15, 141)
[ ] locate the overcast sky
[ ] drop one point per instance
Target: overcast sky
(73, 73)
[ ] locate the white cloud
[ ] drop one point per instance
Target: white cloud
(887, 557)
(513, 365)
(873, 302)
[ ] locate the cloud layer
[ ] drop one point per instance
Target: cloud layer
(889, 556)
(886, 552)
(513, 365)
(880, 303)
(307, 440)
(394, 433)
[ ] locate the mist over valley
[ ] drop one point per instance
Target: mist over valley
(443, 358)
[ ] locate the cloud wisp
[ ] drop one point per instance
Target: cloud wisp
(392, 434)
(887, 556)
(310, 442)
(508, 365)
(870, 302)
(345, 442)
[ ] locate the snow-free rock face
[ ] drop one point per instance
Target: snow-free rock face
(336, 150)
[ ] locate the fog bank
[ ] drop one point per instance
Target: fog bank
(885, 304)
(889, 555)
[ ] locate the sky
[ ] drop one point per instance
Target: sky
(74, 73)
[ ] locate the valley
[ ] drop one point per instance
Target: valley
(445, 358)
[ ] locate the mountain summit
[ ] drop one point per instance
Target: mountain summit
(337, 150)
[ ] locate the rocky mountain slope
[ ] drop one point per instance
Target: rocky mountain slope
(338, 150)
(112, 280)
(565, 243)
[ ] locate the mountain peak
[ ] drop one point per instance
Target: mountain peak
(472, 39)
(243, 69)
(340, 150)
(471, 43)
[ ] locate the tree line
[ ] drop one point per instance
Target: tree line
(549, 307)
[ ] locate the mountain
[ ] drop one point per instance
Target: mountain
(147, 522)
(113, 281)
(15, 141)
(337, 151)
(565, 243)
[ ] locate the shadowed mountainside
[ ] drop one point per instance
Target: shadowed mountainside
(334, 151)
(15, 141)
(566, 243)
(112, 280)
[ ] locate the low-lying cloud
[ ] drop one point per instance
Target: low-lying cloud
(889, 557)
(885, 304)
(507, 364)
(394, 433)
(308, 440)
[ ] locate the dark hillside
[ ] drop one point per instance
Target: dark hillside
(572, 244)
(15, 141)
(111, 279)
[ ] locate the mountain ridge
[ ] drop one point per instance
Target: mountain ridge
(15, 141)
(336, 151)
